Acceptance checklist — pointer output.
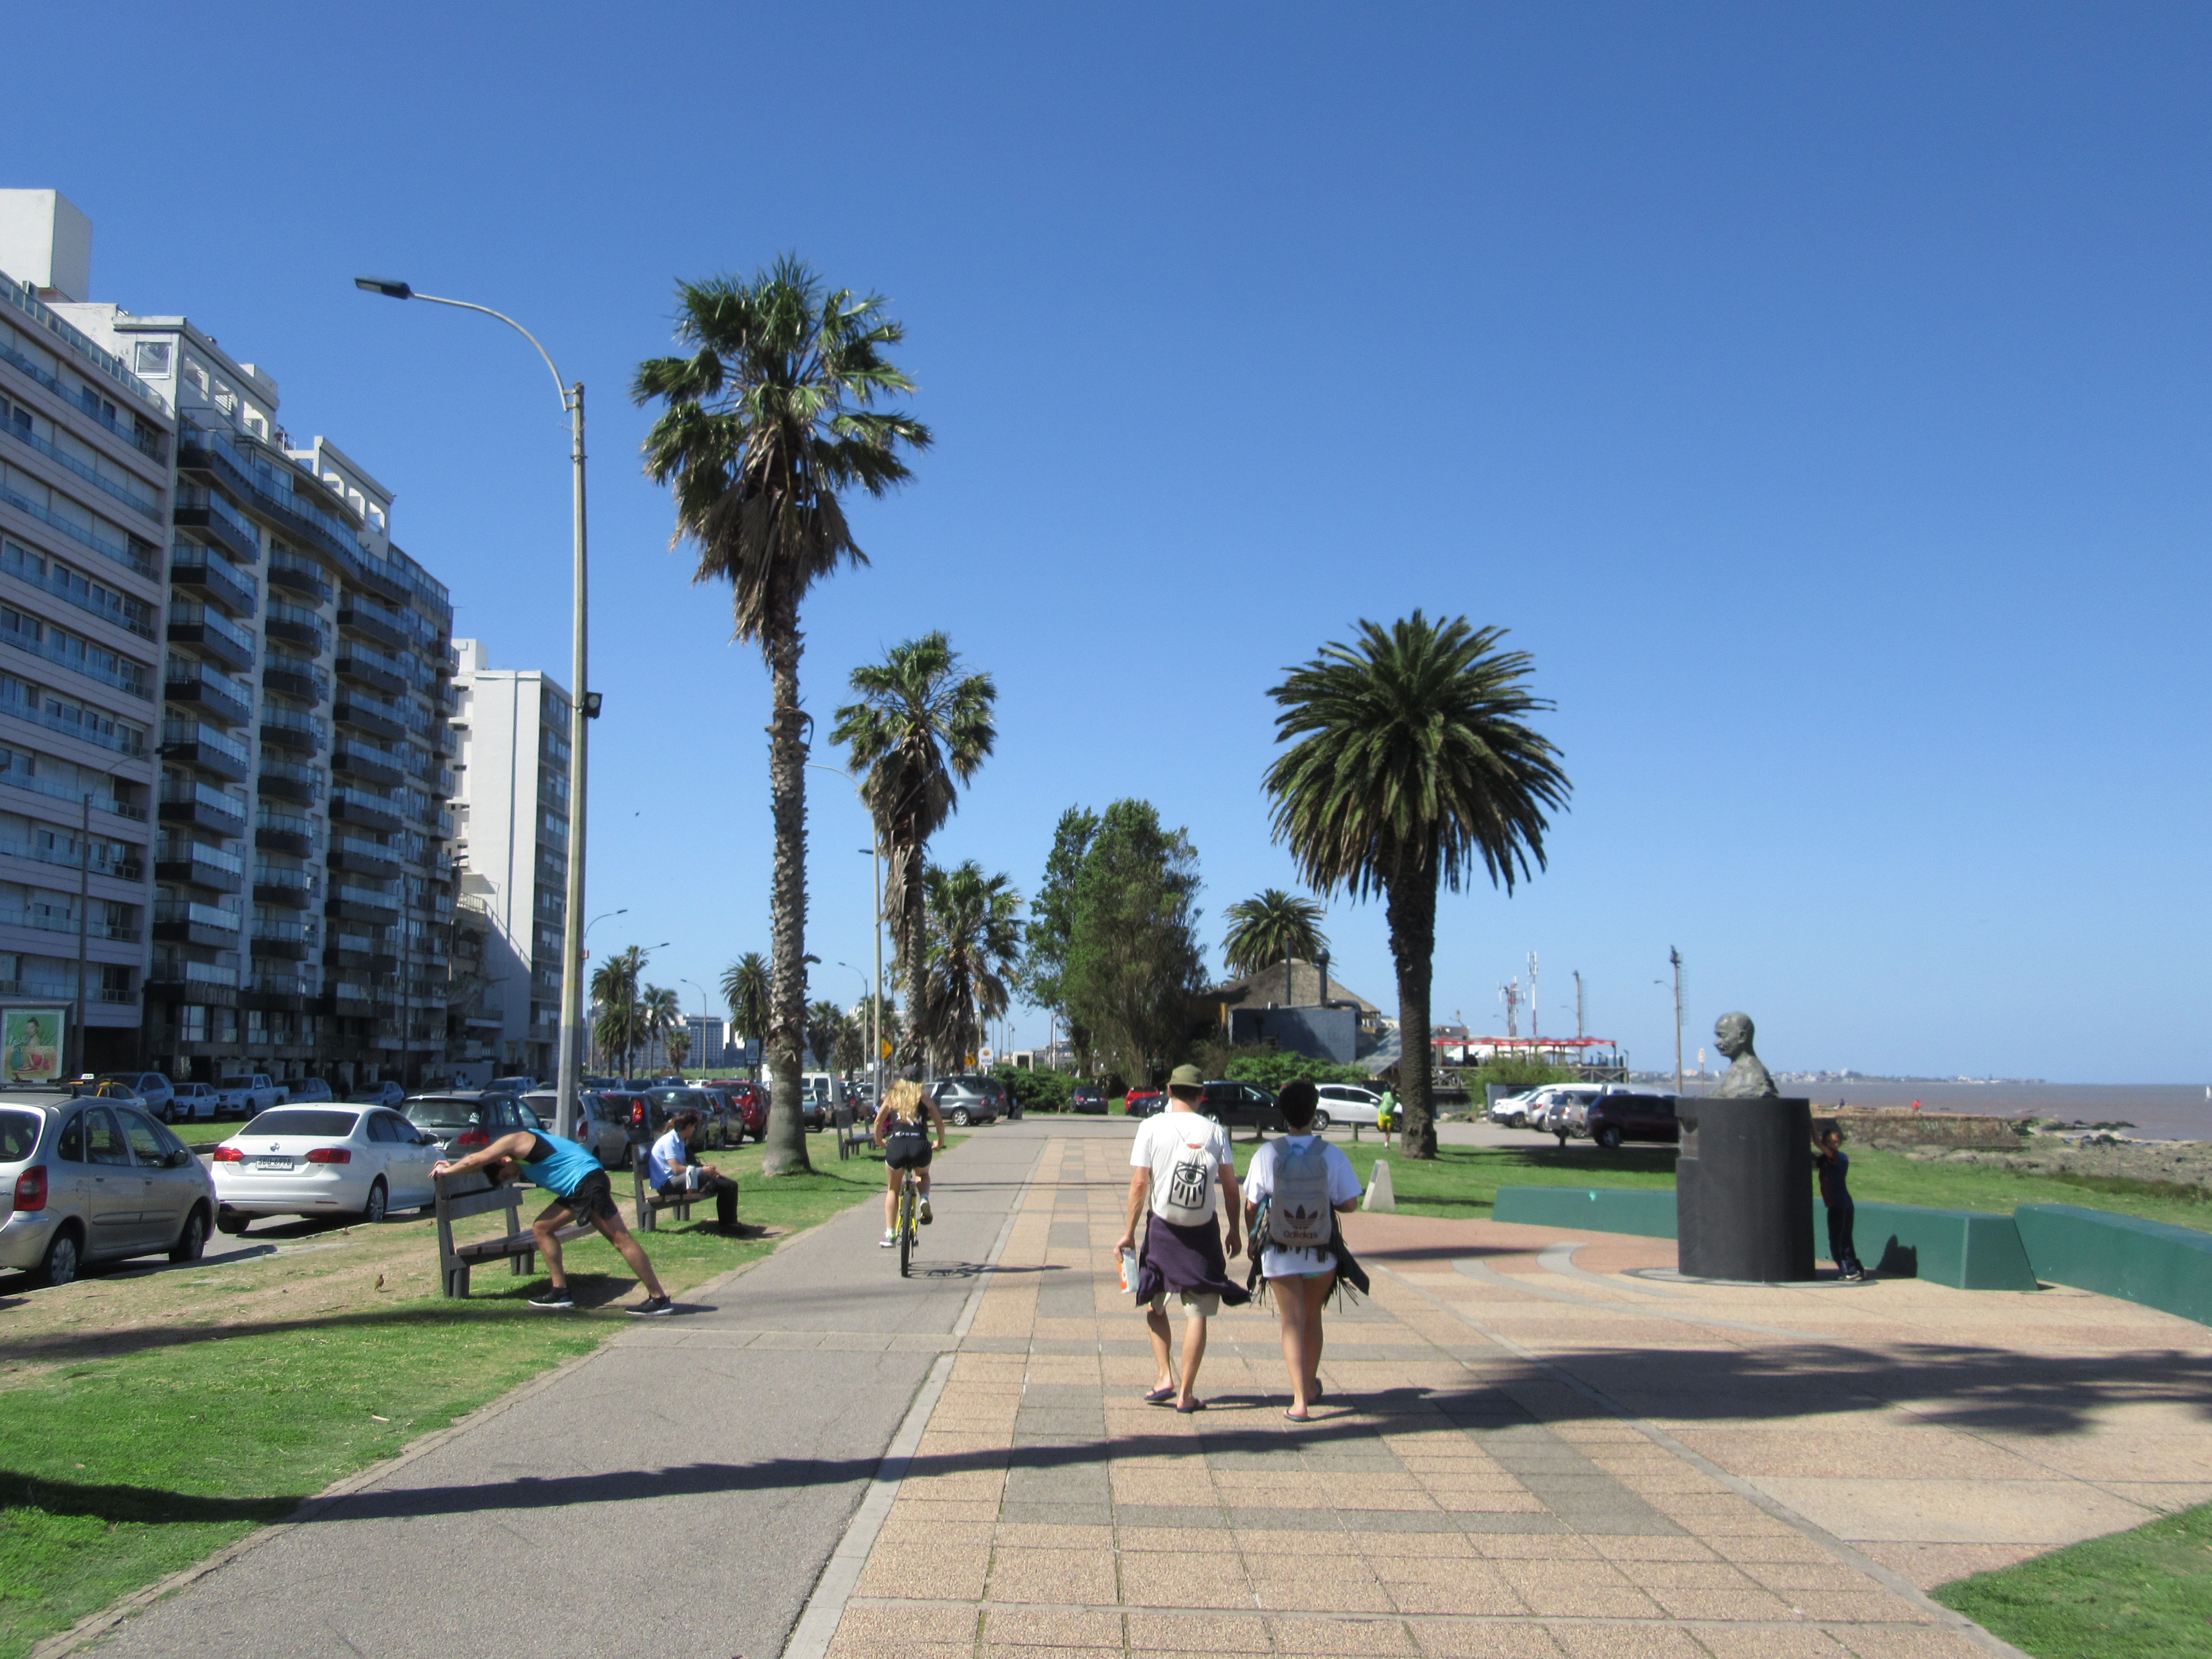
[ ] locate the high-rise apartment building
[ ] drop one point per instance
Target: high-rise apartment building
(85, 454)
(511, 841)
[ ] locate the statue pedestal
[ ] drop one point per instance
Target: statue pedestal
(1743, 1189)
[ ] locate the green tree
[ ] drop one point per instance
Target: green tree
(620, 1030)
(744, 987)
(660, 1011)
(1272, 928)
(768, 418)
(676, 1043)
(825, 1024)
(1133, 959)
(853, 1041)
(1410, 764)
(920, 729)
(1052, 923)
(974, 943)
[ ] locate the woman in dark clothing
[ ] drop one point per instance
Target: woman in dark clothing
(1834, 1165)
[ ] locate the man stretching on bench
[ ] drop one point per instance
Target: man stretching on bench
(580, 1191)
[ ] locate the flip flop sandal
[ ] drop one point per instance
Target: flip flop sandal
(1195, 1406)
(1160, 1396)
(1292, 1417)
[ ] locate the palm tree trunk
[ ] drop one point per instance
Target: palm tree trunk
(913, 925)
(785, 1153)
(1412, 916)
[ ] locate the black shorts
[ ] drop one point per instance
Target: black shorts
(592, 1199)
(907, 1151)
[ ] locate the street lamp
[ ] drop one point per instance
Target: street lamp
(585, 705)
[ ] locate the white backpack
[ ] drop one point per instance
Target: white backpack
(1299, 1216)
(1187, 1199)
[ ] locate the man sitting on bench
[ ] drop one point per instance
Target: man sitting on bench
(676, 1176)
(581, 1190)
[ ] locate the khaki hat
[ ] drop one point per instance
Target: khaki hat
(1186, 1077)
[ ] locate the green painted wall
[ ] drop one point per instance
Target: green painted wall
(1646, 1212)
(1967, 1249)
(2162, 1267)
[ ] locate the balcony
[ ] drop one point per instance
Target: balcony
(291, 940)
(360, 959)
(285, 832)
(362, 904)
(364, 810)
(299, 575)
(183, 921)
(372, 667)
(295, 626)
(217, 694)
(363, 857)
(283, 887)
(211, 634)
(184, 802)
(380, 623)
(370, 765)
(181, 863)
(215, 521)
(208, 575)
(266, 491)
(369, 713)
(288, 781)
(288, 729)
(174, 979)
(277, 990)
(350, 999)
(188, 742)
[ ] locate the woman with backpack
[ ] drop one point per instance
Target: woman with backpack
(1296, 1188)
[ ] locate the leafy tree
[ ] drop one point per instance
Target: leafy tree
(744, 987)
(1410, 764)
(676, 1043)
(1133, 959)
(621, 1029)
(974, 943)
(919, 731)
(825, 1024)
(1039, 1089)
(853, 1041)
(661, 1011)
(1271, 928)
(1052, 923)
(771, 414)
(1272, 1070)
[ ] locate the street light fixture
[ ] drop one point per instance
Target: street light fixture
(585, 705)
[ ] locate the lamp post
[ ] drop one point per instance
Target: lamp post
(585, 705)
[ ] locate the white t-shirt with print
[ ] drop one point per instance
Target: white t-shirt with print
(1162, 1138)
(1259, 1182)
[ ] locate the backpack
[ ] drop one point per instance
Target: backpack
(1299, 1215)
(1187, 1200)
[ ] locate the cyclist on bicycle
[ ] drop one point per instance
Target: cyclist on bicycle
(899, 1131)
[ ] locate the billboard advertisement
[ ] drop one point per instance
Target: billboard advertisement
(31, 1044)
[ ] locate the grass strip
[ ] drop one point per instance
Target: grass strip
(2146, 1594)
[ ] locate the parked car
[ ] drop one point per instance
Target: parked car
(1142, 1103)
(460, 1119)
(189, 1102)
(599, 1083)
(510, 1086)
(962, 1101)
(1242, 1106)
(386, 1093)
(303, 1091)
(1088, 1099)
(602, 1120)
(1347, 1103)
(152, 1087)
(247, 1093)
(1511, 1111)
(94, 1181)
(721, 1124)
(323, 1160)
(1613, 1118)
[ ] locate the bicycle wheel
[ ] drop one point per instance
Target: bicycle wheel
(906, 1225)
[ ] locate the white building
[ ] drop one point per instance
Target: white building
(511, 841)
(707, 1041)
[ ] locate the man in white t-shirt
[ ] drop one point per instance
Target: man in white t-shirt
(1183, 1184)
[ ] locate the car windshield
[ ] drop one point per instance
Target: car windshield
(293, 1121)
(19, 1134)
(442, 1114)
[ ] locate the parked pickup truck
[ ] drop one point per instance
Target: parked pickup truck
(248, 1095)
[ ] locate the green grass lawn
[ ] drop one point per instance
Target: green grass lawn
(2146, 1594)
(120, 1470)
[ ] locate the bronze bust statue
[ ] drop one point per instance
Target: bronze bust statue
(1747, 1078)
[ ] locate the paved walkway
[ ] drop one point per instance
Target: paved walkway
(1526, 1449)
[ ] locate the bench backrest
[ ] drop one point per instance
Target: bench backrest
(460, 1197)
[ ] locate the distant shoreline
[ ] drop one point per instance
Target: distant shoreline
(2157, 1111)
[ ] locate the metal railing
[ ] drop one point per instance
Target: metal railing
(169, 969)
(204, 916)
(124, 554)
(60, 579)
(130, 497)
(190, 613)
(80, 345)
(169, 849)
(176, 731)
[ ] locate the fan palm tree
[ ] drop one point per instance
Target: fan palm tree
(920, 729)
(618, 1030)
(825, 1025)
(659, 1011)
(768, 418)
(853, 1041)
(744, 987)
(676, 1044)
(1410, 764)
(1272, 928)
(974, 943)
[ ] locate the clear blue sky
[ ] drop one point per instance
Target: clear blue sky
(1818, 391)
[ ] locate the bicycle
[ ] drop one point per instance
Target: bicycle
(909, 1202)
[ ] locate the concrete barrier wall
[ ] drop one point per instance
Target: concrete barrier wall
(2162, 1267)
(1967, 1250)
(1647, 1213)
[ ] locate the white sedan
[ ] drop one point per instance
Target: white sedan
(1346, 1103)
(356, 1162)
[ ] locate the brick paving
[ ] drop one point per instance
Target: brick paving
(1527, 1449)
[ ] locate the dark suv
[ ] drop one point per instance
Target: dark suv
(1615, 1118)
(1087, 1098)
(1242, 1106)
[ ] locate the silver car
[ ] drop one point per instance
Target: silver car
(95, 1179)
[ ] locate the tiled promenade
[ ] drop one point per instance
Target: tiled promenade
(1525, 1450)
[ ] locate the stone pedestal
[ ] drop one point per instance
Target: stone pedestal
(1743, 1189)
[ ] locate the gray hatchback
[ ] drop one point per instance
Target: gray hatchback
(95, 1179)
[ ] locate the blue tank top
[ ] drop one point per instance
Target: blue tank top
(559, 1166)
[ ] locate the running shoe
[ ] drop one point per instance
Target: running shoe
(889, 1240)
(925, 1212)
(553, 1299)
(653, 1307)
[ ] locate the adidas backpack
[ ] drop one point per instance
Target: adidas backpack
(1299, 1217)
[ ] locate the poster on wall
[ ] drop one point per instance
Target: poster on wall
(31, 1044)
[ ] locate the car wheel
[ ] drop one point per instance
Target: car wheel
(192, 1242)
(229, 1222)
(1609, 1138)
(379, 1201)
(1320, 1122)
(62, 1260)
(960, 1119)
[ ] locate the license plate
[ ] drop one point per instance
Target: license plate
(282, 1164)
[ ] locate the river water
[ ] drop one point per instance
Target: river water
(2158, 1111)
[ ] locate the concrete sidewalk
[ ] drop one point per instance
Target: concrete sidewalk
(1527, 1449)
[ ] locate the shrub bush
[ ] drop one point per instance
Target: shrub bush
(1041, 1091)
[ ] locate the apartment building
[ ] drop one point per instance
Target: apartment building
(85, 473)
(511, 843)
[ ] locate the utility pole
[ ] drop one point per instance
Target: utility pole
(1674, 958)
(1534, 1007)
(1579, 1032)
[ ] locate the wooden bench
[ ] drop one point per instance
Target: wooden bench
(647, 1203)
(852, 1136)
(462, 1196)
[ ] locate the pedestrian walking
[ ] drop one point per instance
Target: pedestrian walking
(1298, 1185)
(1834, 1165)
(1182, 1186)
(675, 1176)
(580, 1187)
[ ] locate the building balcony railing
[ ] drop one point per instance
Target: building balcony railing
(133, 555)
(208, 631)
(55, 921)
(288, 780)
(170, 969)
(290, 729)
(189, 743)
(300, 576)
(364, 807)
(80, 345)
(103, 859)
(209, 515)
(228, 700)
(296, 625)
(372, 765)
(195, 863)
(94, 598)
(370, 713)
(294, 677)
(206, 573)
(185, 802)
(363, 614)
(73, 653)
(130, 495)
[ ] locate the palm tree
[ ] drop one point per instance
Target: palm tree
(744, 987)
(974, 944)
(919, 730)
(771, 414)
(1270, 928)
(853, 1041)
(1409, 765)
(620, 1029)
(676, 1044)
(659, 1011)
(825, 1024)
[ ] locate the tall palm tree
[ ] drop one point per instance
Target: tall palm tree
(1272, 928)
(974, 943)
(825, 1024)
(1410, 764)
(744, 987)
(771, 414)
(659, 1011)
(619, 1029)
(920, 729)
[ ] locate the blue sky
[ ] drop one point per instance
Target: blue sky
(1818, 391)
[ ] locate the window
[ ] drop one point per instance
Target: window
(103, 1141)
(145, 1145)
(152, 359)
(70, 1146)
